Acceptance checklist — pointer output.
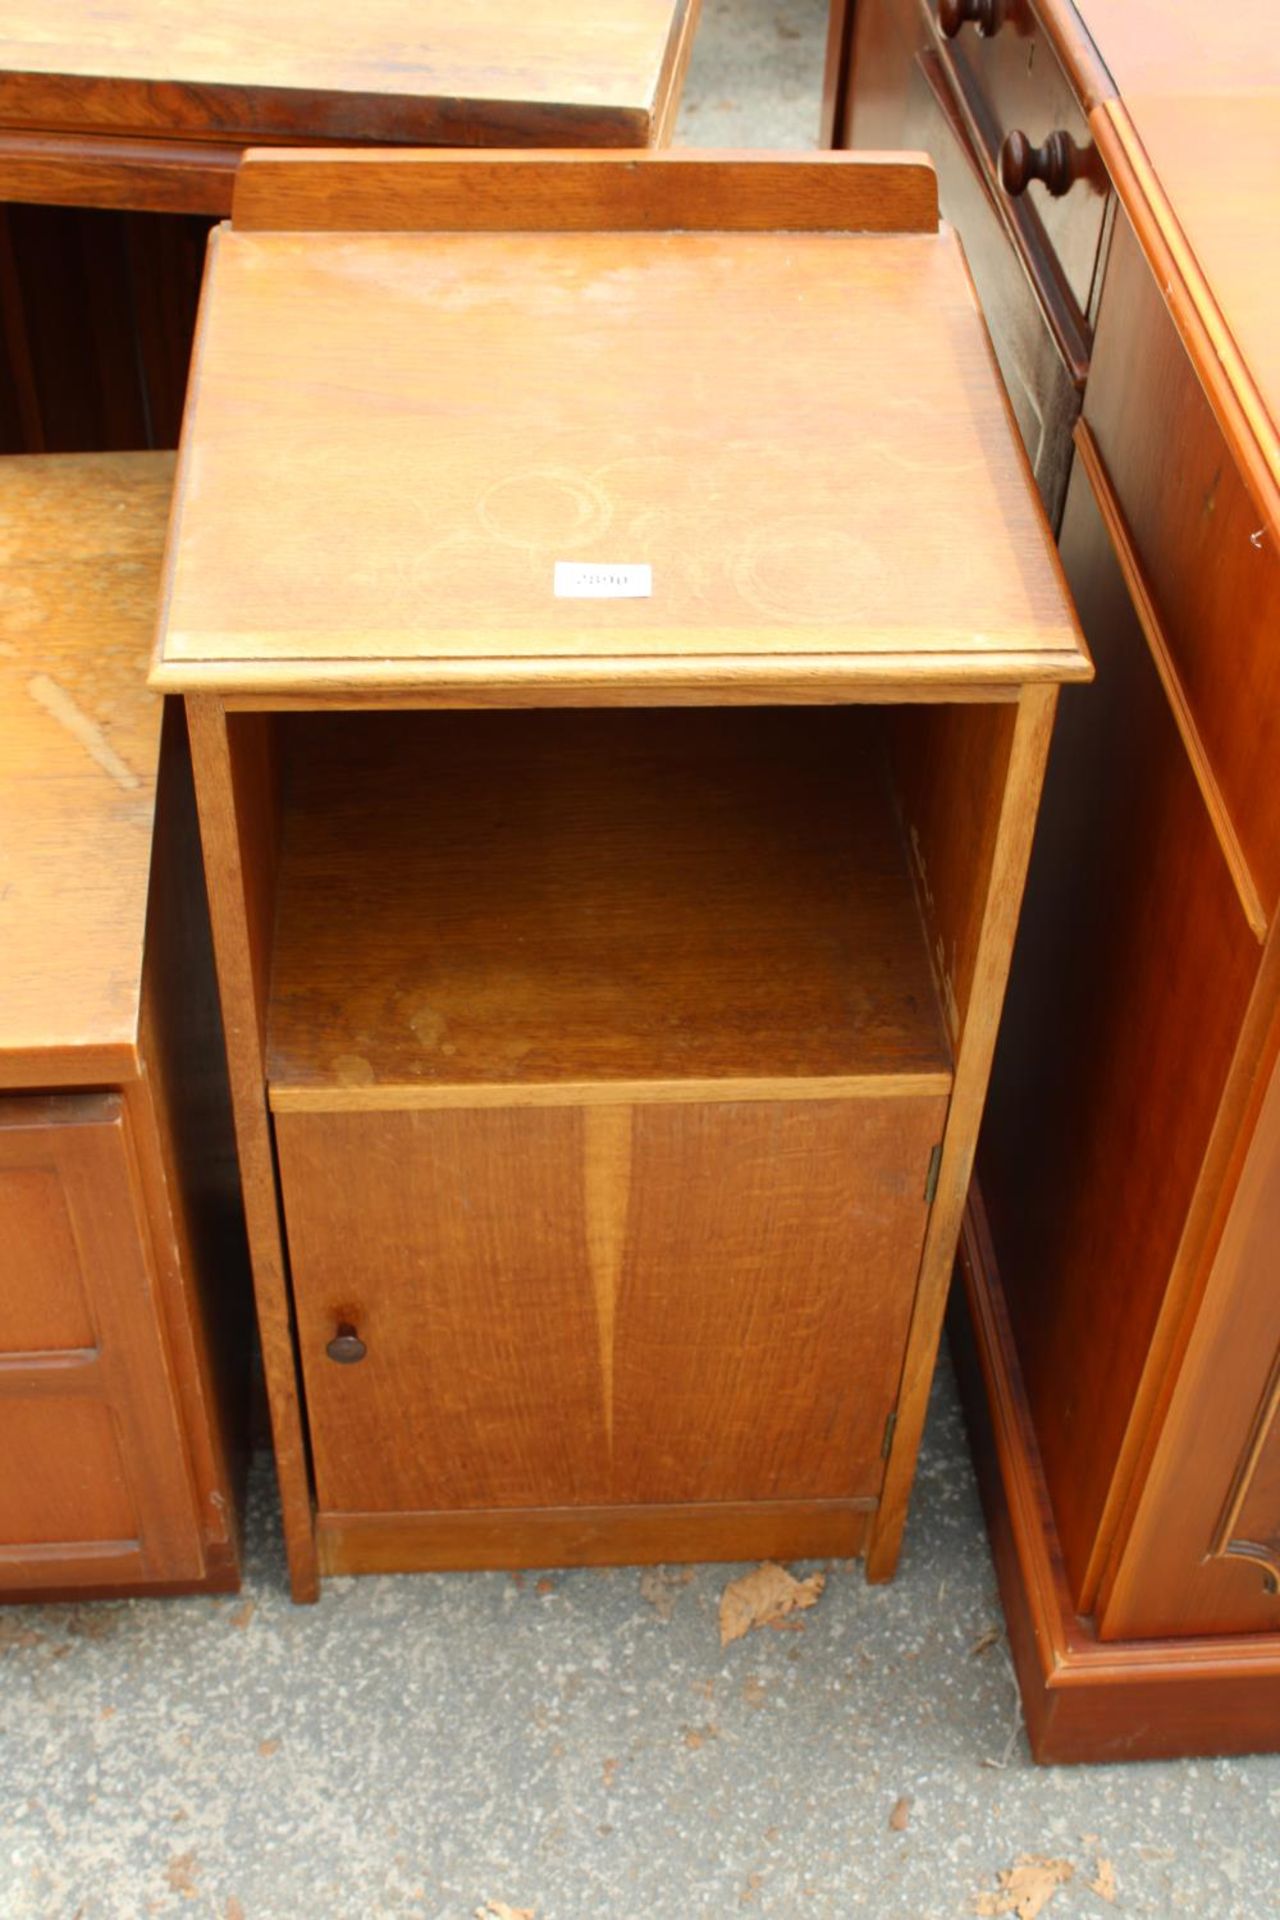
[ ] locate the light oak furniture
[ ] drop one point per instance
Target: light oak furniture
(1120, 1258)
(610, 983)
(124, 1292)
(121, 129)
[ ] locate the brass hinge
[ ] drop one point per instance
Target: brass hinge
(886, 1445)
(931, 1178)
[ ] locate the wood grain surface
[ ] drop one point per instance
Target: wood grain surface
(395, 437)
(1202, 1553)
(97, 170)
(1086, 1701)
(89, 1426)
(478, 192)
(413, 70)
(1089, 1204)
(237, 793)
(509, 902)
(632, 1536)
(1213, 569)
(657, 1305)
(80, 548)
(996, 799)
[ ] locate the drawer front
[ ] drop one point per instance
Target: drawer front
(94, 1487)
(1012, 82)
(1042, 389)
(559, 1307)
(1132, 973)
(1212, 571)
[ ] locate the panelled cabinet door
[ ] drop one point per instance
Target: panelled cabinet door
(551, 1307)
(94, 1484)
(1203, 1553)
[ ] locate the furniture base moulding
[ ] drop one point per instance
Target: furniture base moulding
(591, 1536)
(111, 1575)
(1085, 1701)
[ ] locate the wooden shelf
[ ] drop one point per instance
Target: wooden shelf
(526, 907)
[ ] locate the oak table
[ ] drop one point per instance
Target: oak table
(125, 1304)
(1112, 169)
(620, 640)
(121, 129)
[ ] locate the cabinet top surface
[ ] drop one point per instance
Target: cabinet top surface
(394, 438)
(387, 69)
(81, 539)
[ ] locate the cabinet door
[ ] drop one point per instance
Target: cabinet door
(670, 1303)
(94, 1485)
(1203, 1552)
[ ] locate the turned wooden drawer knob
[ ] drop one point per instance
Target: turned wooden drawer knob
(346, 1346)
(1057, 164)
(988, 16)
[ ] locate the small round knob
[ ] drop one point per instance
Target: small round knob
(346, 1346)
(1057, 164)
(988, 16)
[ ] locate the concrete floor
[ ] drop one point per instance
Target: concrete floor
(755, 79)
(578, 1744)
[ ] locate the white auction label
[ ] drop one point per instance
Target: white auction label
(594, 580)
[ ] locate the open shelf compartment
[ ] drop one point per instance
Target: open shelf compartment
(567, 905)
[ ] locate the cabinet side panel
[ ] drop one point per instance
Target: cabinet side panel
(183, 1113)
(1132, 972)
(237, 793)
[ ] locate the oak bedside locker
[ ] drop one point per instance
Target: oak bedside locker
(620, 641)
(121, 128)
(124, 1291)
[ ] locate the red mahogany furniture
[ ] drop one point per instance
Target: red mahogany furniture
(1113, 170)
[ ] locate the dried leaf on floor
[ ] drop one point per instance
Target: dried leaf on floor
(900, 1818)
(14, 1634)
(1104, 1881)
(1026, 1888)
(181, 1873)
(984, 1643)
(763, 1597)
(499, 1910)
(660, 1586)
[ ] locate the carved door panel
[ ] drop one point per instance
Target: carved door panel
(1203, 1554)
(94, 1482)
